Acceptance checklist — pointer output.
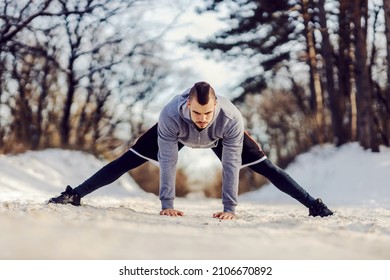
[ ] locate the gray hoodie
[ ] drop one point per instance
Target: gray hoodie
(175, 125)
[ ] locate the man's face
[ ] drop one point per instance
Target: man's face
(201, 115)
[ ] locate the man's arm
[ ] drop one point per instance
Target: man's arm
(167, 158)
(231, 164)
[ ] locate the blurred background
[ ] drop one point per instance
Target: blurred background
(93, 75)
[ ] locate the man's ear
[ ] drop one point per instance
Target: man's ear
(188, 103)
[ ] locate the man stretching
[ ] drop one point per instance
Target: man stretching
(197, 118)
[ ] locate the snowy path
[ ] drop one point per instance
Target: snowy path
(133, 230)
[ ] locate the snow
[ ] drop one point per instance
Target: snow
(121, 221)
(345, 176)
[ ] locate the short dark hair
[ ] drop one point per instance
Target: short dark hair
(202, 91)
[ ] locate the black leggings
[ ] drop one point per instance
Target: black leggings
(110, 173)
(283, 181)
(129, 160)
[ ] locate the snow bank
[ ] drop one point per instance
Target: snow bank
(36, 174)
(345, 176)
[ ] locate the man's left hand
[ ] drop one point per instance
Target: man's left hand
(171, 212)
(225, 216)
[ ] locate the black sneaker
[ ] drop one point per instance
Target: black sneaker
(66, 197)
(319, 209)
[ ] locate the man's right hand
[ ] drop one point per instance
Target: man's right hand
(171, 212)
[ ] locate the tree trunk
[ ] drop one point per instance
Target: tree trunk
(65, 121)
(2, 78)
(336, 99)
(315, 80)
(363, 84)
(386, 6)
(344, 65)
(45, 89)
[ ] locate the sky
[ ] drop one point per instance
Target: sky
(188, 24)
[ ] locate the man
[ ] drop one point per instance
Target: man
(198, 118)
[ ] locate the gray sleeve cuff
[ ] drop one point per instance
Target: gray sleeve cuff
(167, 204)
(229, 208)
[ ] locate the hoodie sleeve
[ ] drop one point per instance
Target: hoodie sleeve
(231, 163)
(167, 157)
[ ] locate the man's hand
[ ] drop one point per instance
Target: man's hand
(171, 212)
(224, 216)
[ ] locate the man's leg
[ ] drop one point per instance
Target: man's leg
(144, 149)
(110, 173)
(283, 181)
(254, 157)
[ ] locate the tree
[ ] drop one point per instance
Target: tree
(366, 133)
(316, 88)
(276, 37)
(336, 98)
(88, 18)
(260, 31)
(15, 17)
(325, 39)
(73, 75)
(386, 6)
(35, 77)
(344, 65)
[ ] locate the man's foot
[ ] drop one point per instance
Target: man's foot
(319, 209)
(66, 197)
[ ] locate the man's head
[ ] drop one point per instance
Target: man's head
(202, 102)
